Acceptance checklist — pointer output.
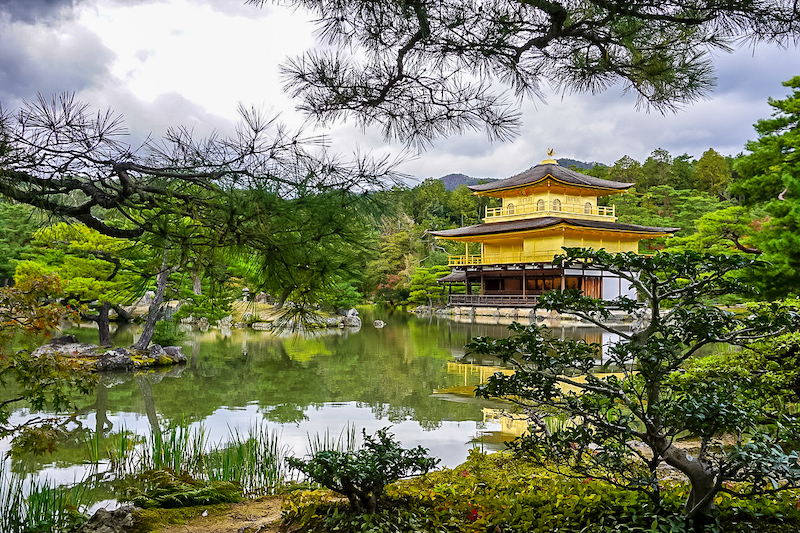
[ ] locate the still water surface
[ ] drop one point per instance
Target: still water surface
(412, 375)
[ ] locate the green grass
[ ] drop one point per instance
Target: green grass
(347, 441)
(29, 506)
(254, 460)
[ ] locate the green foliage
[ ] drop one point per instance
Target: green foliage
(766, 372)
(632, 396)
(213, 307)
(95, 266)
(168, 333)
(625, 169)
(424, 289)
(343, 295)
(656, 170)
(712, 173)
(769, 178)
(465, 204)
(727, 230)
(362, 475)
(664, 206)
(18, 222)
(43, 381)
(164, 488)
(501, 492)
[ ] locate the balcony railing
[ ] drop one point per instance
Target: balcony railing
(493, 300)
(503, 258)
(553, 208)
(454, 260)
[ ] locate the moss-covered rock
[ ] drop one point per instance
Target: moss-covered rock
(166, 489)
(93, 357)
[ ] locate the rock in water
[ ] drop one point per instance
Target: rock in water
(176, 353)
(64, 339)
(119, 520)
(350, 322)
(379, 324)
(116, 359)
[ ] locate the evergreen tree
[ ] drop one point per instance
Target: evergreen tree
(770, 177)
(259, 194)
(657, 170)
(420, 69)
(626, 169)
(684, 167)
(712, 173)
(17, 224)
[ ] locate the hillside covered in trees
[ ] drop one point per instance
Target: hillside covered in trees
(743, 204)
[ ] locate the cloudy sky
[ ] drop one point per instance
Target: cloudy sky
(164, 63)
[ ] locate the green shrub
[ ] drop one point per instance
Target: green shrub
(500, 492)
(167, 333)
(361, 475)
(214, 308)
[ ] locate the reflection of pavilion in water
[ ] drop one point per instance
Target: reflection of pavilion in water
(511, 425)
(465, 359)
(475, 370)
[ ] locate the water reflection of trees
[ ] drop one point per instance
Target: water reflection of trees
(394, 371)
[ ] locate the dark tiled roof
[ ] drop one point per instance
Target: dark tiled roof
(539, 172)
(544, 222)
(454, 276)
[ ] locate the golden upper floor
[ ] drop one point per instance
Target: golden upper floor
(549, 190)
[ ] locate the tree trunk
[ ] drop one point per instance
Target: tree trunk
(149, 405)
(102, 423)
(155, 307)
(122, 313)
(701, 476)
(197, 286)
(104, 335)
(282, 299)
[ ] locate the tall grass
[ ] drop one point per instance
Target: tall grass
(177, 447)
(34, 505)
(255, 460)
(347, 441)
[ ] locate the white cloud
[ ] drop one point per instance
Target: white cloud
(191, 62)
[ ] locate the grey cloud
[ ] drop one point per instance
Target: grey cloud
(756, 72)
(32, 11)
(34, 60)
(153, 119)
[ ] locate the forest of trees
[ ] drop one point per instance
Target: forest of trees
(745, 203)
(735, 204)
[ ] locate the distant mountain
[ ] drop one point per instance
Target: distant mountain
(451, 181)
(566, 162)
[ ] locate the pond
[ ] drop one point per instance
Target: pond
(412, 375)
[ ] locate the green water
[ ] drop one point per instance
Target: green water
(409, 375)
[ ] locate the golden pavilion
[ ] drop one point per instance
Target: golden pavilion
(543, 209)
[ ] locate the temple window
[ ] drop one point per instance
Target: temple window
(540, 205)
(587, 208)
(556, 205)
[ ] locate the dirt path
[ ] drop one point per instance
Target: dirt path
(261, 516)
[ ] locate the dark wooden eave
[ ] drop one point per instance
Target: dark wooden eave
(555, 172)
(512, 226)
